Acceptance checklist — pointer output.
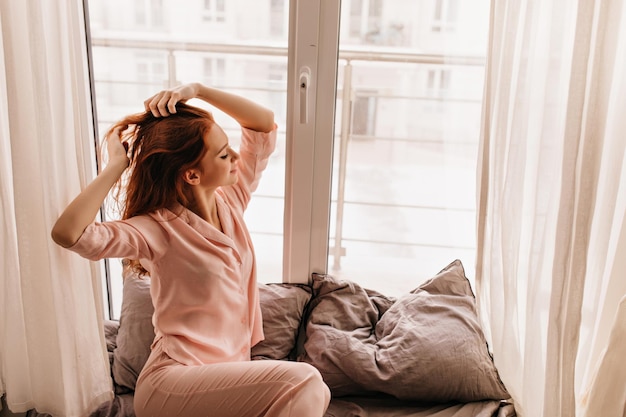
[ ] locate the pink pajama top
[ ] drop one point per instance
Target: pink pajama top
(203, 281)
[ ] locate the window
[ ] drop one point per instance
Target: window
(364, 113)
(437, 87)
(445, 16)
(149, 66)
(365, 20)
(356, 18)
(151, 70)
(438, 82)
(214, 11)
(149, 14)
(403, 196)
(379, 185)
(214, 71)
(279, 18)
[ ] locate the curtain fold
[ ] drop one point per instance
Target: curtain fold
(53, 354)
(551, 192)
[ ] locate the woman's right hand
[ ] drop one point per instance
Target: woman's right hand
(116, 149)
(83, 209)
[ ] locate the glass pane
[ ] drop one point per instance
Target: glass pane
(404, 181)
(142, 46)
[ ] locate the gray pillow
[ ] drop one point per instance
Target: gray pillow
(282, 307)
(427, 345)
(135, 333)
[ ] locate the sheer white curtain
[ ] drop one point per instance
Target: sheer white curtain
(551, 261)
(52, 351)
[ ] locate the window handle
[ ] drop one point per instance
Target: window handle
(305, 80)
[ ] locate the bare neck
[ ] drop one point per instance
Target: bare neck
(205, 206)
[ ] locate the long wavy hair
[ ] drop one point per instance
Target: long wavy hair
(160, 149)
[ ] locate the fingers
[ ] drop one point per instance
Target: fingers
(117, 133)
(116, 149)
(114, 138)
(163, 103)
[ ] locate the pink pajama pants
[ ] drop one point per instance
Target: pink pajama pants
(239, 389)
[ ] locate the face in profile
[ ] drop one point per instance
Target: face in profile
(218, 167)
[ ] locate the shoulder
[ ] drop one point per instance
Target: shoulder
(152, 223)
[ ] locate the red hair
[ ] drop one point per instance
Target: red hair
(161, 149)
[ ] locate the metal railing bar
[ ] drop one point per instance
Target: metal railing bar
(189, 46)
(419, 98)
(345, 53)
(409, 206)
(395, 243)
(411, 140)
(159, 84)
(379, 242)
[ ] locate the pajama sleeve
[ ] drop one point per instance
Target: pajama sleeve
(255, 151)
(113, 239)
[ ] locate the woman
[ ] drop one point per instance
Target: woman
(183, 224)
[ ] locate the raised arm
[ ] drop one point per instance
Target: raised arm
(246, 112)
(82, 211)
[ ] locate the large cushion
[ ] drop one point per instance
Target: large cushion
(135, 333)
(427, 345)
(282, 306)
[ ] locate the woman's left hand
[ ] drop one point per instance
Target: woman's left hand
(164, 102)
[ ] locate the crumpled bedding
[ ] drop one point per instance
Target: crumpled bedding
(390, 407)
(350, 406)
(446, 298)
(122, 406)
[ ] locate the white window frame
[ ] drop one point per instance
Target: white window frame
(313, 51)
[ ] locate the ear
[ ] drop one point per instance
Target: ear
(192, 177)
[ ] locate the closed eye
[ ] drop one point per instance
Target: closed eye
(224, 156)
